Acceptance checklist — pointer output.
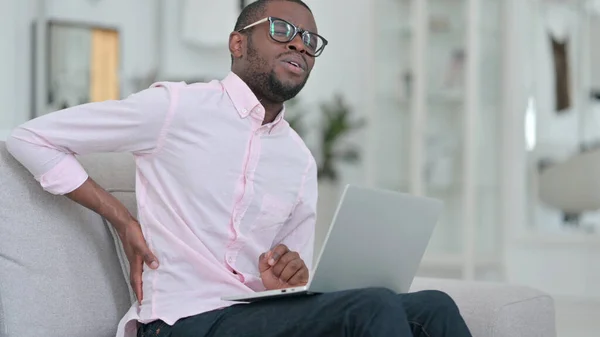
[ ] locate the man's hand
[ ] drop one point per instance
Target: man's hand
(138, 253)
(281, 268)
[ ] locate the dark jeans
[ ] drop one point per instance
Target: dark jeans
(366, 312)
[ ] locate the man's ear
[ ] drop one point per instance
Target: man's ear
(236, 44)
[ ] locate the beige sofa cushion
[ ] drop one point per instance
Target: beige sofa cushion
(59, 274)
(498, 310)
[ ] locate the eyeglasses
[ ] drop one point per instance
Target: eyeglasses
(284, 32)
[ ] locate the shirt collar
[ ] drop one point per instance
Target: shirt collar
(240, 94)
(244, 100)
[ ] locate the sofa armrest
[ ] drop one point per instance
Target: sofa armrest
(497, 310)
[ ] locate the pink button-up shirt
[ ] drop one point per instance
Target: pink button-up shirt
(215, 187)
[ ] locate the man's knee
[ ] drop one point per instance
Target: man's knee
(376, 299)
(438, 302)
(374, 306)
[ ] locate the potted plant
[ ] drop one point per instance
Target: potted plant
(335, 124)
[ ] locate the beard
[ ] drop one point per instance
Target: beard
(265, 84)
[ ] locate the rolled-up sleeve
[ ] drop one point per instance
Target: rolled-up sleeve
(298, 234)
(47, 145)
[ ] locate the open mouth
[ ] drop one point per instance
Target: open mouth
(295, 64)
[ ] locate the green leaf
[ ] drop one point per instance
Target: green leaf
(335, 125)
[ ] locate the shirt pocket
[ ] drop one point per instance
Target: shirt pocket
(274, 211)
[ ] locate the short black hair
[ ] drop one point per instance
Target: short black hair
(253, 11)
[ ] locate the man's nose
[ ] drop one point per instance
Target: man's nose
(297, 44)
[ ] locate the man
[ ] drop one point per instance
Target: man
(226, 196)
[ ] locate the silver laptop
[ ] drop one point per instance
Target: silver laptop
(377, 238)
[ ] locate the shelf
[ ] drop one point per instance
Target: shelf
(436, 99)
(406, 32)
(446, 100)
(457, 187)
(428, 141)
(558, 240)
(432, 190)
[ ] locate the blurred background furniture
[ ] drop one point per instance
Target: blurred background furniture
(572, 186)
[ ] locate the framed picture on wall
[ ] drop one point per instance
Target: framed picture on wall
(206, 24)
(82, 65)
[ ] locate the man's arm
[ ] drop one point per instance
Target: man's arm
(47, 146)
(289, 263)
(94, 197)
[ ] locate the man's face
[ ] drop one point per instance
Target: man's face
(267, 66)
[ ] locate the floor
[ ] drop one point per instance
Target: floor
(577, 318)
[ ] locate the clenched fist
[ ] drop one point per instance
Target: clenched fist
(281, 268)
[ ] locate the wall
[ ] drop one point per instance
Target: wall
(15, 29)
(595, 52)
(186, 61)
(7, 61)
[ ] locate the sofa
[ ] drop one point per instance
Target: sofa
(60, 270)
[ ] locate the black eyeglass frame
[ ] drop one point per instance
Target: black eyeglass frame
(297, 31)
